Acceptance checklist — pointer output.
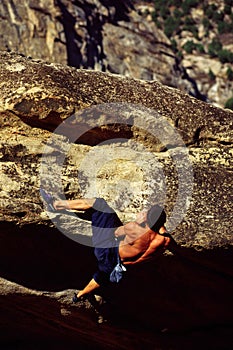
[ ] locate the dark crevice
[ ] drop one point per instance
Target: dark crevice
(195, 92)
(94, 52)
(46, 259)
(197, 140)
(94, 46)
(177, 122)
(121, 7)
(68, 21)
(41, 258)
(20, 214)
(196, 137)
(225, 143)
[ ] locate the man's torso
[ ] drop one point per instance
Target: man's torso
(131, 250)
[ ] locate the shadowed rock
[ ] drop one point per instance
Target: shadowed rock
(188, 291)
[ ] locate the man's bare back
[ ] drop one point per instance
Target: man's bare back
(139, 243)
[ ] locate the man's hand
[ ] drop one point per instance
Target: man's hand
(59, 205)
(141, 217)
(120, 231)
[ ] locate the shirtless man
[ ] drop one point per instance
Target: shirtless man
(136, 241)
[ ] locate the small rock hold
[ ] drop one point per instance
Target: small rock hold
(65, 312)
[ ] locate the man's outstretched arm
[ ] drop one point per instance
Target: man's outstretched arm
(74, 204)
(92, 285)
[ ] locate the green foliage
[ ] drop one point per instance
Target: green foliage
(210, 10)
(227, 9)
(207, 25)
(218, 16)
(177, 13)
(156, 20)
(188, 4)
(159, 4)
(189, 21)
(229, 74)
(190, 46)
(173, 45)
(212, 75)
(228, 2)
(180, 54)
(164, 12)
(170, 25)
(191, 28)
(214, 47)
(174, 16)
(229, 103)
(155, 15)
(225, 56)
(200, 48)
(176, 3)
(225, 27)
(189, 25)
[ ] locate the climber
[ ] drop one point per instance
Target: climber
(116, 245)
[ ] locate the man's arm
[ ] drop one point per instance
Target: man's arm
(92, 285)
(74, 204)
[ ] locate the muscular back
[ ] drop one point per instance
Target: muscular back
(140, 243)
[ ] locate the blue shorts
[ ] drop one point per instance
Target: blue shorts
(104, 223)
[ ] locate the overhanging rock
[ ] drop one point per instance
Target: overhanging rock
(189, 289)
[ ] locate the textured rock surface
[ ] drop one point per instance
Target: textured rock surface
(55, 92)
(108, 36)
(195, 286)
(45, 94)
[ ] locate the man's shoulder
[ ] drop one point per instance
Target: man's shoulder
(158, 239)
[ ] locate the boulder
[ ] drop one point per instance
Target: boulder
(131, 142)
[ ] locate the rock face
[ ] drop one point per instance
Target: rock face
(108, 36)
(129, 163)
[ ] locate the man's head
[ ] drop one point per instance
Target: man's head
(156, 217)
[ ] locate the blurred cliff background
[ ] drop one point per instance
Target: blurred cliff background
(186, 44)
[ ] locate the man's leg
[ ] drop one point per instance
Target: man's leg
(74, 204)
(104, 223)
